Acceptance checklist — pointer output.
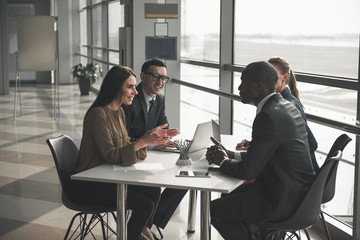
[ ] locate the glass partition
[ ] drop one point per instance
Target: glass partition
(197, 106)
(200, 29)
(96, 31)
(319, 37)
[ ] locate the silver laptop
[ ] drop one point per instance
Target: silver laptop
(201, 139)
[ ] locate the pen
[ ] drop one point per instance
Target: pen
(156, 135)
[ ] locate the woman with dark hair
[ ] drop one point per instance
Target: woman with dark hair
(287, 87)
(105, 140)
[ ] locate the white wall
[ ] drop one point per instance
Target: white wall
(68, 37)
(145, 27)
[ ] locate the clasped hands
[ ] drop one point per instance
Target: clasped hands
(216, 153)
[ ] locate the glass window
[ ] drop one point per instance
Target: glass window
(324, 42)
(114, 57)
(244, 114)
(84, 51)
(116, 20)
(97, 53)
(83, 27)
(341, 206)
(201, 106)
(82, 4)
(96, 27)
(329, 102)
(200, 30)
(319, 37)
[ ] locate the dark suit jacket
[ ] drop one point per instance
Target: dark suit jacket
(278, 158)
(311, 138)
(138, 121)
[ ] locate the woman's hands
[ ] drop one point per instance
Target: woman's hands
(156, 136)
(162, 131)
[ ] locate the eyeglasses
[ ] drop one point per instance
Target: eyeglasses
(157, 77)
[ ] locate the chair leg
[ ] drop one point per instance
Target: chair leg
(86, 228)
(292, 235)
(325, 226)
(106, 224)
(161, 235)
(91, 225)
(114, 216)
(280, 235)
(71, 223)
(307, 234)
(272, 235)
(95, 219)
(102, 225)
(83, 228)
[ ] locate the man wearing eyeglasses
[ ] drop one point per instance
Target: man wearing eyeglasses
(148, 108)
(146, 112)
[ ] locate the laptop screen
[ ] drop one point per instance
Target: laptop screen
(202, 135)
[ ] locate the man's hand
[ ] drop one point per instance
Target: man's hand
(229, 153)
(243, 145)
(215, 155)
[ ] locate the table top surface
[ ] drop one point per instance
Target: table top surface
(159, 169)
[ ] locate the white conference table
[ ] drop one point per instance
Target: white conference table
(159, 170)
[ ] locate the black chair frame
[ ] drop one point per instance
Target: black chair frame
(329, 191)
(65, 152)
(309, 209)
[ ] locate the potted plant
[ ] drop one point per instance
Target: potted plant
(85, 75)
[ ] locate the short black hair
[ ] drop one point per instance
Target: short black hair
(261, 71)
(152, 62)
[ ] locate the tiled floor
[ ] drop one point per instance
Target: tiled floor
(30, 200)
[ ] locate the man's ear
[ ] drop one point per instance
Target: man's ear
(260, 85)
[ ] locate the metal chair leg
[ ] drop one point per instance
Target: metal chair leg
(159, 231)
(325, 226)
(83, 225)
(70, 225)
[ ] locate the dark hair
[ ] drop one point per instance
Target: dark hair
(261, 72)
(152, 62)
(284, 67)
(111, 85)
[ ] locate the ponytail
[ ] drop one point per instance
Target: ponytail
(284, 67)
(293, 86)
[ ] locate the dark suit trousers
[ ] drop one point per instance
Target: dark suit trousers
(226, 216)
(141, 200)
(169, 200)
